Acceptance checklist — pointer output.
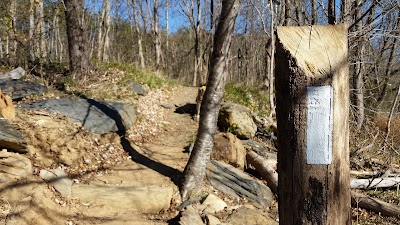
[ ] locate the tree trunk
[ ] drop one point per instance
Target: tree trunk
(157, 38)
(314, 19)
(197, 50)
(167, 24)
(40, 31)
(358, 77)
(103, 37)
(77, 38)
(12, 42)
(138, 33)
(195, 169)
(331, 12)
(32, 31)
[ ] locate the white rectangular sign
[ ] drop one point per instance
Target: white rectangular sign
(319, 125)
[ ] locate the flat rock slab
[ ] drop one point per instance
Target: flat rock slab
(15, 164)
(18, 89)
(11, 138)
(98, 117)
(146, 199)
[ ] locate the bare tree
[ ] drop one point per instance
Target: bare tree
(157, 36)
(77, 39)
(11, 47)
(138, 33)
(195, 169)
(103, 35)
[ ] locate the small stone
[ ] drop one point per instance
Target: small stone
(212, 220)
(212, 204)
(190, 217)
(58, 178)
(138, 89)
(167, 106)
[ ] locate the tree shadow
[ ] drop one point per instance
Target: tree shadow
(189, 108)
(137, 157)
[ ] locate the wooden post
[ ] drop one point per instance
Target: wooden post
(312, 92)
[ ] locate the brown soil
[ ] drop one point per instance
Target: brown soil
(152, 153)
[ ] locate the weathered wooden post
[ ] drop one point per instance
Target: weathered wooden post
(312, 92)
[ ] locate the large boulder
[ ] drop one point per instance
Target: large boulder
(228, 148)
(237, 119)
(98, 117)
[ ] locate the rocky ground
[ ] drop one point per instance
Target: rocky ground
(79, 177)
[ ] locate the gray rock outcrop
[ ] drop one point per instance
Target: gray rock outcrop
(98, 117)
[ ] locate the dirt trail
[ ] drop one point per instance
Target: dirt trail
(157, 161)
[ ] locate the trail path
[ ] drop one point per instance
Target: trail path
(112, 195)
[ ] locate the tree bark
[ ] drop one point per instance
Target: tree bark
(194, 172)
(197, 50)
(40, 31)
(32, 31)
(103, 43)
(331, 12)
(77, 38)
(157, 38)
(358, 77)
(12, 42)
(138, 33)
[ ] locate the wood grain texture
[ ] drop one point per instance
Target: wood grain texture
(311, 56)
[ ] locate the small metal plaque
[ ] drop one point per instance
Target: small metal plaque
(319, 125)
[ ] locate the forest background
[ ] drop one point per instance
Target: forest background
(174, 38)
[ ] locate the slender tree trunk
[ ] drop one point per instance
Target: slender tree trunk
(195, 169)
(77, 38)
(167, 24)
(32, 31)
(272, 64)
(331, 12)
(197, 50)
(138, 33)
(157, 38)
(287, 21)
(345, 9)
(40, 30)
(314, 12)
(358, 76)
(104, 31)
(12, 42)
